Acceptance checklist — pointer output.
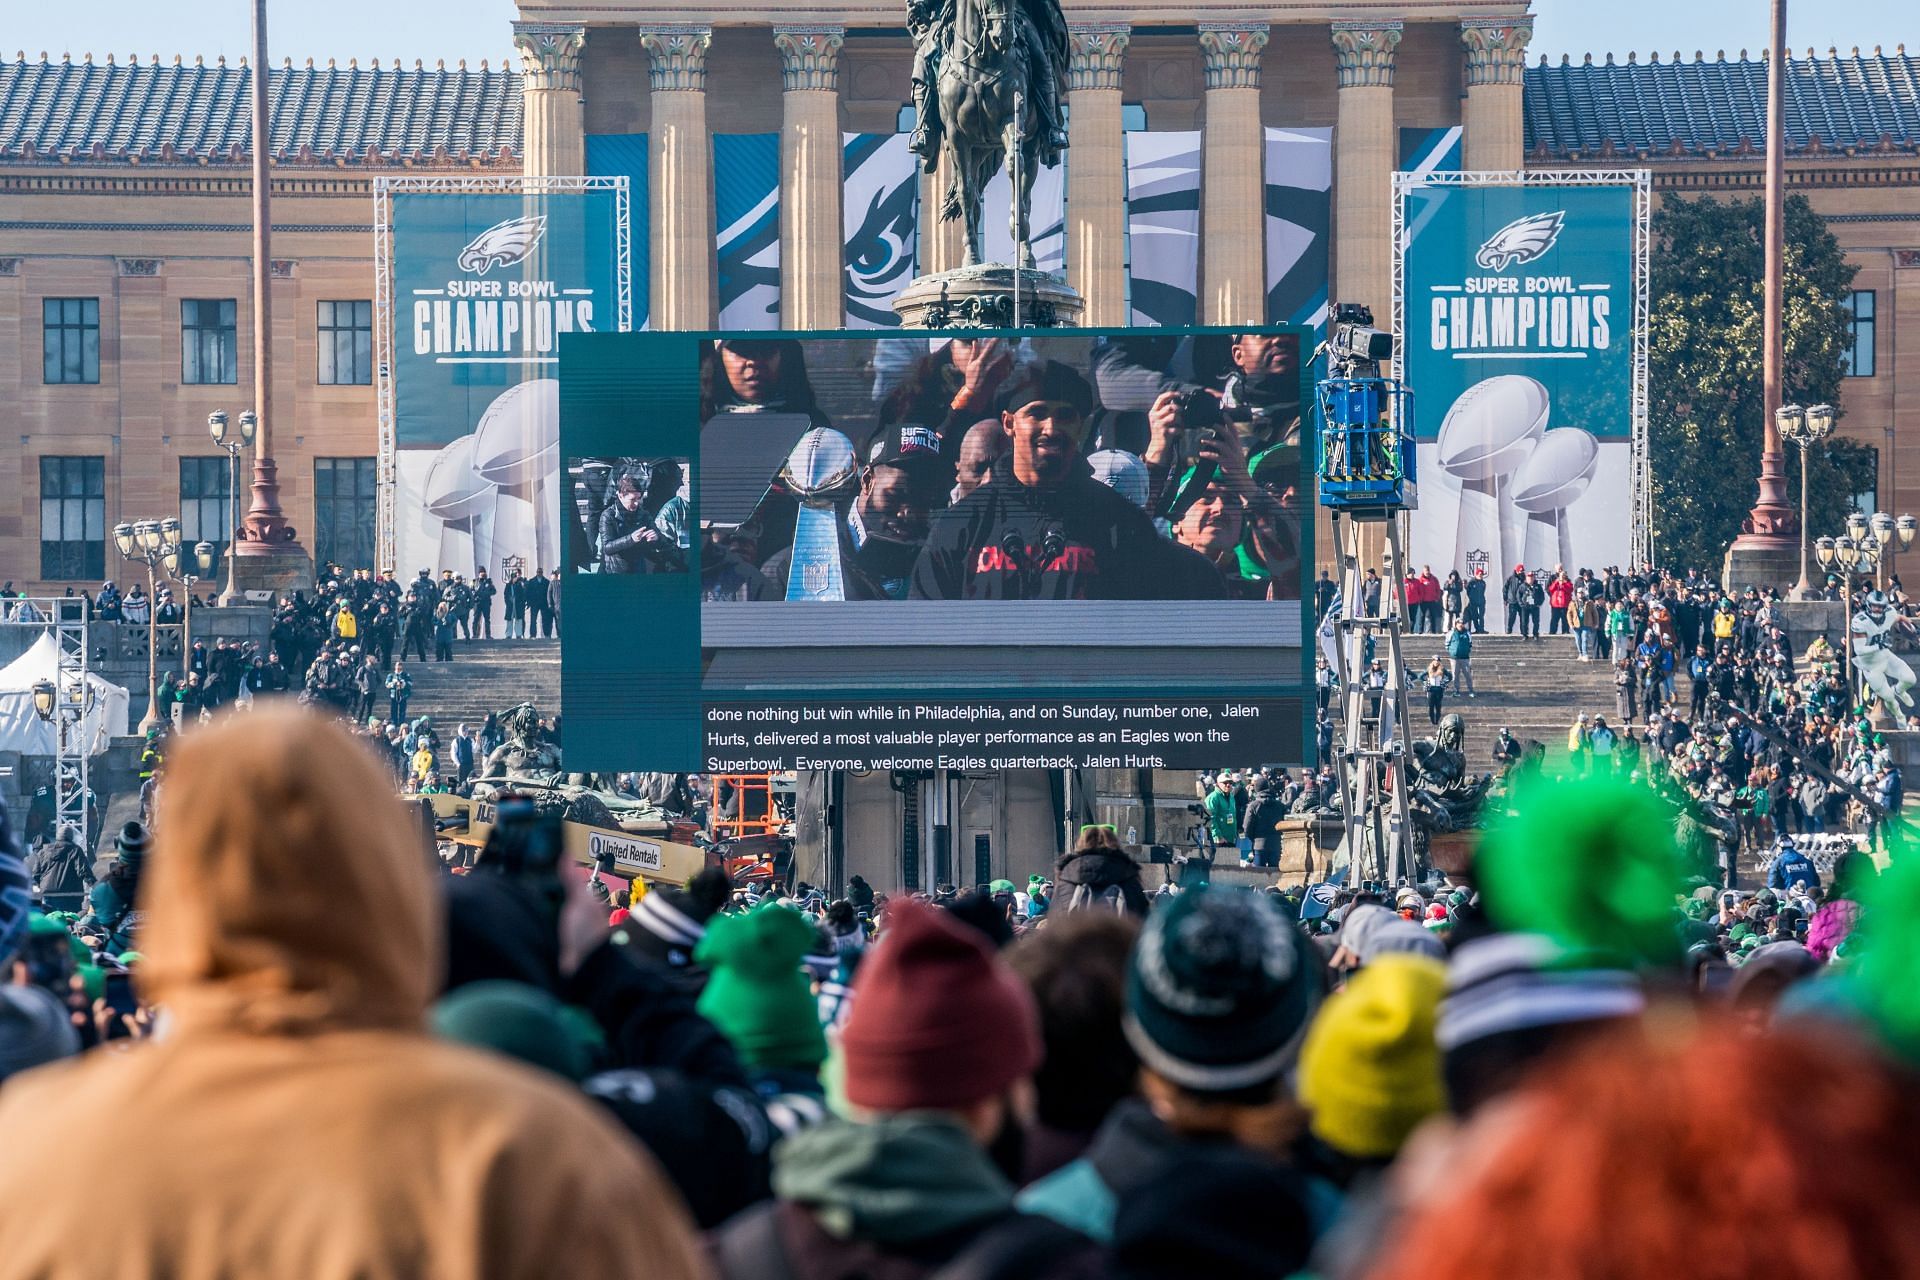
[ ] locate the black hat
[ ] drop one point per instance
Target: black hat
(1221, 990)
(130, 846)
(913, 448)
(670, 922)
(1047, 380)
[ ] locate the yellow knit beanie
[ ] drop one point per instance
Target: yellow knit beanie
(1370, 1070)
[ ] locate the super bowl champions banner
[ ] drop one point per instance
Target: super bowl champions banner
(746, 220)
(880, 214)
(1517, 324)
(481, 285)
(1299, 202)
(1163, 226)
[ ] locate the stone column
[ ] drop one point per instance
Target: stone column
(1096, 174)
(1493, 126)
(680, 160)
(555, 134)
(812, 287)
(1363, 162)
(1232, 202)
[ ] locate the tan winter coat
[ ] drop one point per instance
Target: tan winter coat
(296, 1121)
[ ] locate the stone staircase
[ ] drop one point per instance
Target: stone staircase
(1534, 687)
(484, 676)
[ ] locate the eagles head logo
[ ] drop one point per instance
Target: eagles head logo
(503, 244)
(1521, 241)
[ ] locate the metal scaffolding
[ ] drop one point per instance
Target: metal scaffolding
(66, 618)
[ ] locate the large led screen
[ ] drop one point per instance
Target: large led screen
(981, 551)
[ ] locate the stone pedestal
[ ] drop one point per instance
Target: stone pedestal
(281, 573)
(983, 298)
(1756, 561)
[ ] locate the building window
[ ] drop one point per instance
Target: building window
(206, 498)
(208, 350)
(346, 344)
(73, 519)
(344, 512)
(1858, 361)
(71, 339)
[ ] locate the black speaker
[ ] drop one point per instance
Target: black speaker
(1160, 854)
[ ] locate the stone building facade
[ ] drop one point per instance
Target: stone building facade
(123, 204)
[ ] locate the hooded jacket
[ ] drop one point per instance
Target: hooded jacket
(294, 1118)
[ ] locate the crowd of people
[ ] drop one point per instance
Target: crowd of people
(283, 1037)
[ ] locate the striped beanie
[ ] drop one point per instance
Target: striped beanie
(1513, 996)
(671, 922)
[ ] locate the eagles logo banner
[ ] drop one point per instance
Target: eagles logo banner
(1517, 330)
(483, 281)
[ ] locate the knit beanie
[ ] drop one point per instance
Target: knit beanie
(1370, 1070)
(130, 845)
(672, 921)
(34, 1030)
(939, 1022)
(757, 994)
(1220, 991)
(517, 1020)
(1519, 981)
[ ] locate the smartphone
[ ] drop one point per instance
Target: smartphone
(49, 960)
(120, 999)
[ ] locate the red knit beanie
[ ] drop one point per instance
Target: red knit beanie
(938, 1021)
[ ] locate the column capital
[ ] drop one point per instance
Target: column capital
(1232, 51)
(676, 56)
(809, 57)
(1363, 53)
(550, 53)
(1496, 49)
(1099, 52)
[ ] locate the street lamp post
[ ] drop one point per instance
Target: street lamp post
(1804, 428)
(233, 443)
(148, 542)
(1851, 556)
(175, 562)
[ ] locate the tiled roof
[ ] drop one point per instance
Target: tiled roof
(1852, 103)
(191, 113)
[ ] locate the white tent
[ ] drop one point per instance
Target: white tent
(21, 728)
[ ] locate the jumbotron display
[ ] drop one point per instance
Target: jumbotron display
(972, 550)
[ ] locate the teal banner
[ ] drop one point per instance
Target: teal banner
(483, 286)
(1519, 349)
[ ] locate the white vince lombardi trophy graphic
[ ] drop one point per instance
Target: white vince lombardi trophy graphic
(1487, 433)
(1553, 478)
(516, 446)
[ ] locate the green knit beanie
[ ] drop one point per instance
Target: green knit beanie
(1592, 863)
(517, 1020)
(756, 992)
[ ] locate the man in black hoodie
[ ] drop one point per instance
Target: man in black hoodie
(1042, 528)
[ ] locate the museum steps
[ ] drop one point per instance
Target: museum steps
(1534, 687)
(487, 675)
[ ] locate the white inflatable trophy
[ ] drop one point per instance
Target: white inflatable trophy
(1488, 432)
(1553, 478)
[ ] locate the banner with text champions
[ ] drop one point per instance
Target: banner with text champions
(482, 285)
(1518, 311)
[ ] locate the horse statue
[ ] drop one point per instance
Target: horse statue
(997, 92)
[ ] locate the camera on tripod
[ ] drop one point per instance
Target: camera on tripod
(1354, 347)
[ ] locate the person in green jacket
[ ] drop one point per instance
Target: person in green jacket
(1223, 818)
(1619, 629)
(110, 903)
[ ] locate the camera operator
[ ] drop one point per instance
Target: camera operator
(644, 529)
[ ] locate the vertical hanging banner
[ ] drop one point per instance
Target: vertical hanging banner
(479, 279)
(1437, 150)
(1299, 210)
(746, 217)
(1163, 226)
(1521, 313)
(880, 214)
(1047, 218)
(624, 155)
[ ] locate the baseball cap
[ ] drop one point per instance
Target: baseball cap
(910, 447)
